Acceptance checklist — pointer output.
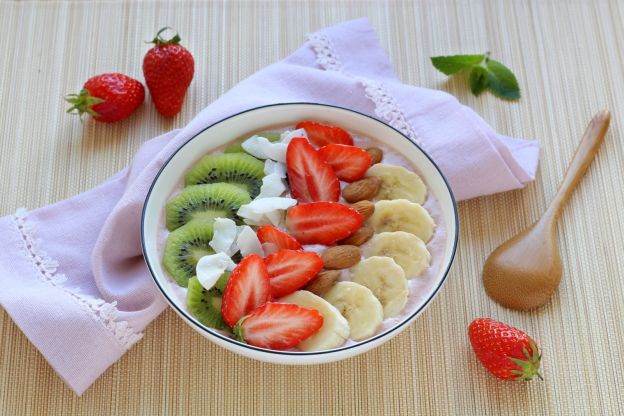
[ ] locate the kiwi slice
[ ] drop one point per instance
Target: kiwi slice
(205, 203)
(236, 147)
(183, 249)
(205, 305)
(240, 169)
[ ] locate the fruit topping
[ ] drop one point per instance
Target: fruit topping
(386, 280)
(290, 270)
(205, 203)
(322, 134)
(247, 288)
(398, 183)
(238, 169)
(402, 215)
(322, 222)
(278, 326)
(311, 178)
(335, 329)
(205, 304)
(184, 248)
(359, 306)
(407, 250)
(349, 162)
(273, 240)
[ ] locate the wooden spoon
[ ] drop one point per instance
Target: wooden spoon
(525, 271)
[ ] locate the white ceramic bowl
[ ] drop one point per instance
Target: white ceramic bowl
(263, 118)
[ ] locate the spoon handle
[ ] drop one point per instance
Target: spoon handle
(587, 149)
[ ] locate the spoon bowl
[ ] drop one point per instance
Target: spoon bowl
(525, 271)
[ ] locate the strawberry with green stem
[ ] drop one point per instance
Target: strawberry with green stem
(505, 351)
(107, 97)
(168, 68)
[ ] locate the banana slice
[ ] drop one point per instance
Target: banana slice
(358, 304)
(386, 280)
(398, 183)
(407, 250)
(402, 215)
(335, 329)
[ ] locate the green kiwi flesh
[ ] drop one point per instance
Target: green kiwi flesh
(205, 305)
(240, 169)
(183, 249)
(205, 203)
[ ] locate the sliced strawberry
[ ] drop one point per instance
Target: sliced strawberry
(278, 326)
(311, 178)
(349, 162)
(247, 288)
(322, 222)
(290, 270)
(273, 240)
(322, 134)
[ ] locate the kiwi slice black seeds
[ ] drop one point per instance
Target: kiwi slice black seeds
(205, 203)
(183, 249)
(238, 169)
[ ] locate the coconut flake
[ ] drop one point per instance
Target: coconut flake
(271, 167)
(262, 211)
(224, 236)
(262, 148)
(248, 242)
(287, 136)
(210, 268)
(272, 185)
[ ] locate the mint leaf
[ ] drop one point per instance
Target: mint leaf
(478, 80)
(485, 73)
(502, 81)
(449, 65)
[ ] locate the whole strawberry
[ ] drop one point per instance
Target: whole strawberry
(505, 351)
(168, 69)
(107, 97)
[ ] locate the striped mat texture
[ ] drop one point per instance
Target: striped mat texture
(568, 56)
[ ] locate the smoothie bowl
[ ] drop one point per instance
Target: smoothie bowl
(299, 233)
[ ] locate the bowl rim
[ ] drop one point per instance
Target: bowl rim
(386, 334)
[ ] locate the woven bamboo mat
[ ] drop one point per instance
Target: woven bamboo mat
(568, 56)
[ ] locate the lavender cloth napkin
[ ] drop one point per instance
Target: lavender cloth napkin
(72, 274)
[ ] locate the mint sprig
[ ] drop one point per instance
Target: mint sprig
(485, 73)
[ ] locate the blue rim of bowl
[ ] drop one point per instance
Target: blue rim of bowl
(214, 333)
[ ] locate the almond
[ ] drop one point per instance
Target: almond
(323, 282)
(365, 208)
(375, 153)
(365, 188)
(341, 257)
(359, 237)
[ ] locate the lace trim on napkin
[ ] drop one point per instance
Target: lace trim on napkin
(104, 312)
(386, 107)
